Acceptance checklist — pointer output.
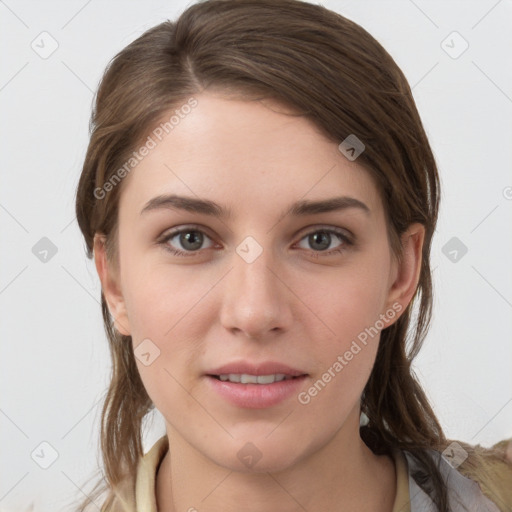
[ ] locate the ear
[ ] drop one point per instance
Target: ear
(406, 273)
(110, 285)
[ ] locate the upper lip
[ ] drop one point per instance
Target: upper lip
(263, 368)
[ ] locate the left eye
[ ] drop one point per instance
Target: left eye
(321, 240)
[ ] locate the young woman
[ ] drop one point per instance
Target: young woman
(260, 197)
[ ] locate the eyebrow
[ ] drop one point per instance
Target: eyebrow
(207, 207)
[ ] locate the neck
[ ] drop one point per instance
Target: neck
(343, 474)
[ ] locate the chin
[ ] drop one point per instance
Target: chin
(261, 455)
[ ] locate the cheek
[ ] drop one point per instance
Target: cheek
(346, 357)
(169, 307)
(160, 299)
(165, 315)
(351, 306)
(354, 299)
(336, 390)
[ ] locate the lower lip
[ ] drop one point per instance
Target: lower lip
(256, 396)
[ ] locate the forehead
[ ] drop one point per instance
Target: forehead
(246, 154)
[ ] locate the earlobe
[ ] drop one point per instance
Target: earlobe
(408, 269)
(110, 286)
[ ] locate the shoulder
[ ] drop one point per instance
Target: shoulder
(137, 492)
(476, 478)
(120, 499)
(491, 468)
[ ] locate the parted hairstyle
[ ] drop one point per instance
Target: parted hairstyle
(333, 72)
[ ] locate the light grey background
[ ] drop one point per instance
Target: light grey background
(54, 358)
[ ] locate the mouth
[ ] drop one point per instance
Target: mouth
(245, 378)
(255, 387)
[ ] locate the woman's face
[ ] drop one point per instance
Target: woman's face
(264, 281)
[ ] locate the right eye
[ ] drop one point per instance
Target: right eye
(189, 241)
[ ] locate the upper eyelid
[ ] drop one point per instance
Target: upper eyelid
(172, 232)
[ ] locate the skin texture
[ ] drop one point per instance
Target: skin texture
(292, 304)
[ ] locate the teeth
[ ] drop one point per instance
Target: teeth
(245, 378)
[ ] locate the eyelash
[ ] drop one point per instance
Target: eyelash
(347, 242)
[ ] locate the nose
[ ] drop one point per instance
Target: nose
(256, 302)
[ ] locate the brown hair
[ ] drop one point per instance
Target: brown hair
(329, 70)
